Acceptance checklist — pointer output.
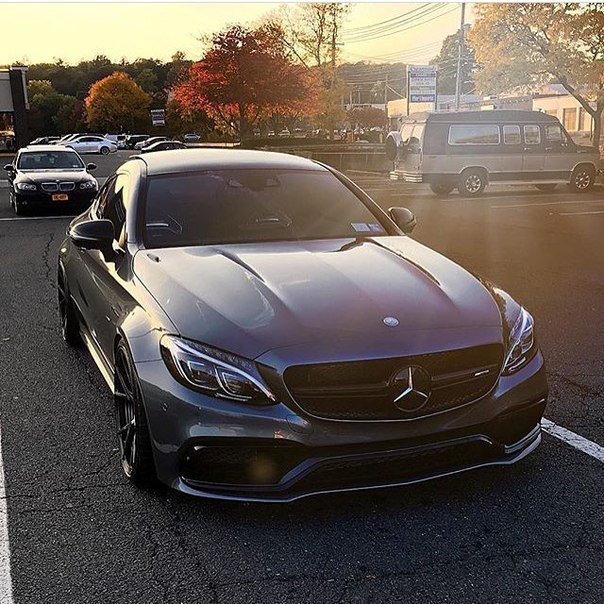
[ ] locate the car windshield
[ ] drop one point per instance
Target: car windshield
(245, 206)
(49, 160)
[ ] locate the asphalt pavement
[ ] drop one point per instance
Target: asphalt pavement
(533, 532)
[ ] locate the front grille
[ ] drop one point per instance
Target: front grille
(398, 466)
(53, 187)
(364, 390)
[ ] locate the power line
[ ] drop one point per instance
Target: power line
(374, 25)
(396, 28)
(433, 18)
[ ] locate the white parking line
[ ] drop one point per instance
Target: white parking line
(580, 213)
(548, 203)
(6, 589)
(17, 219)
(574, 440)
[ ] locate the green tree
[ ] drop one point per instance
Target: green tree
(51, 112)
(524, 45)
(447, 66)
(117, 104)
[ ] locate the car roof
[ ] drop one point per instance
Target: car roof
(38, 148)
(197, 160)
(487, 117)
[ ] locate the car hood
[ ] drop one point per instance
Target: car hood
(252, 298)
(37, 176)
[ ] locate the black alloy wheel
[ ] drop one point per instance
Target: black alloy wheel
(136, 455)
(441, 189)
(70, 328)
(582, 179)
(472, 182)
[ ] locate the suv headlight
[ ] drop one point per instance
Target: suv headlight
(25, 186)
(522, 346)
(214, 372)
(89, 185)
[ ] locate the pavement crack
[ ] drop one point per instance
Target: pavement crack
(46, 260)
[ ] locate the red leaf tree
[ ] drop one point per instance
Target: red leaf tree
(245, 75)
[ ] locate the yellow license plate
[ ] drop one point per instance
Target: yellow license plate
(60, 197)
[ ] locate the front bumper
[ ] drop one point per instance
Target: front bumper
(39, 199)
(223, 450)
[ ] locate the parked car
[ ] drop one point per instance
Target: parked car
(472, 149)
(149, 141)
(163, 146)
(44, 140)
(118, 139)
(285, 132)
(49, 176)
(133, 139)
(269, 332)
(91, 144)
(191, 137)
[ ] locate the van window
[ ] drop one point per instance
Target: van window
(416, 136)
(532, 135)
(473, 135)
(553, 134)
(511, 135)
(406, 133)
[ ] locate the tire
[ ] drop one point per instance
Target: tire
(441, 189)
(104, 150)
(136, 454)
(546, 187)
(472, 182)
(19, 208)
(582, 179)
(70, 327)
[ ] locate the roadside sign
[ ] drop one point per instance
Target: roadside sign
(421, 83)
(158, 117)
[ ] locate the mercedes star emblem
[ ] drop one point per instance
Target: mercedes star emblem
(411, 387)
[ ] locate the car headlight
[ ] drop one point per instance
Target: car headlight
(214, 372)
(25, 186)
(522, 344)
(88, 185)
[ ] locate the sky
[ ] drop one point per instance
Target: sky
(74, 31)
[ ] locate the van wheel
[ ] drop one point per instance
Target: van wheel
(582, 179)
(546, 187)
(472, 182)
(441, 189)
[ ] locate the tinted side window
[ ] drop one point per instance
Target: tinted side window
(511, 135)
(532, 135)
(114, 208)
(469, 134)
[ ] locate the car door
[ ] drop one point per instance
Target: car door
(79, 144)
(559, 151)
(533, 153)
(107, 277)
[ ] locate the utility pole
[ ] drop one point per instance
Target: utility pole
(462, 30)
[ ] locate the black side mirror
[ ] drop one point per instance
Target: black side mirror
(94, 235)
(9, 168)
(90, 167)
(404, 219)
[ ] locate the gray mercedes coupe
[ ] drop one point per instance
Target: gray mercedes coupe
(270, 333)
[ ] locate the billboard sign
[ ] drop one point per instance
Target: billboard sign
(421, 83)
(158, 117)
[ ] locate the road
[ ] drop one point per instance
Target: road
(529, 533)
